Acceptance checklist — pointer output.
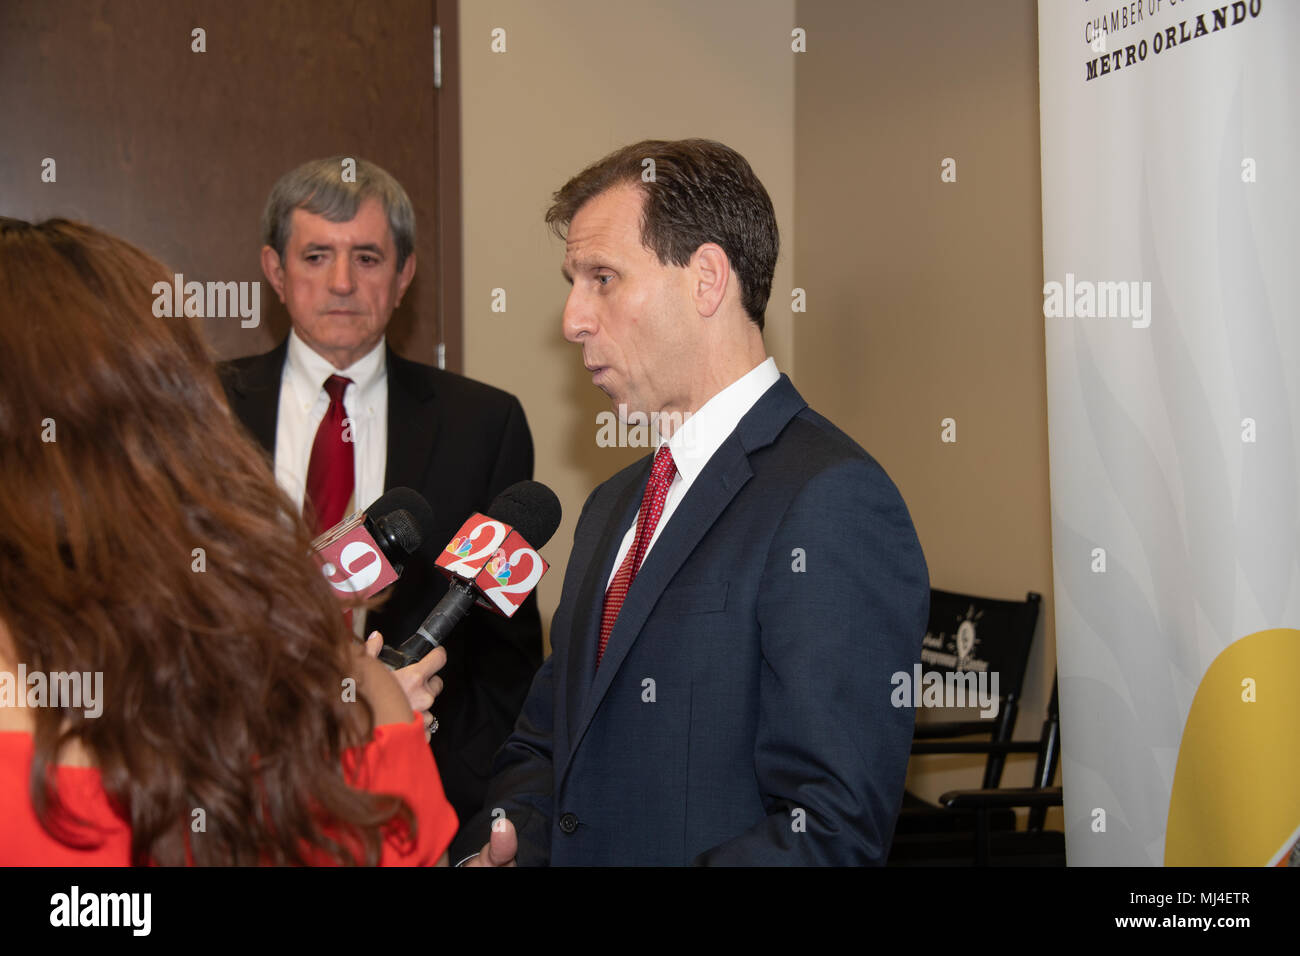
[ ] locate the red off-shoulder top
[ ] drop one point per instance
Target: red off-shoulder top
(396, 761)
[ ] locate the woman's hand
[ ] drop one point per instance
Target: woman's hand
(419, 681)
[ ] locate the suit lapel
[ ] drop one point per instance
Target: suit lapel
(412, 426)
(590, 601)
(254, 395)
(711, 492)
(720, 481)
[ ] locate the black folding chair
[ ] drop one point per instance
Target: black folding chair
(969, 634)
(1033, 845)
(985, 845)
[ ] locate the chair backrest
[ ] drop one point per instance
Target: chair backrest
(985, 636)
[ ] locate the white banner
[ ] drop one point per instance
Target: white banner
(1171, 254)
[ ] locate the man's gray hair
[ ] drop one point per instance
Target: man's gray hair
(318, 187)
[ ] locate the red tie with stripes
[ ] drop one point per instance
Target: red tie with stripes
(330, 475)
(647, 519)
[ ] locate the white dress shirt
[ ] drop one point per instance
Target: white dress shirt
(695, 442)
(303, 403)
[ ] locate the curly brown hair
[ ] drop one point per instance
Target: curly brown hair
(221, 687)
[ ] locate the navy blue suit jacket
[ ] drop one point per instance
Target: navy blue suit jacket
(741, 713)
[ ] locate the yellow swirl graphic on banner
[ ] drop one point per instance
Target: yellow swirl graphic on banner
(1236, 793)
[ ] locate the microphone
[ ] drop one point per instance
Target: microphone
(364, 553)
(492, 561)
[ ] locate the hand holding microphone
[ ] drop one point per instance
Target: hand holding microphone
(419, 681)
(365, 553)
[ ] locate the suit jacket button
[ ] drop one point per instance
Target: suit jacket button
(568, 822)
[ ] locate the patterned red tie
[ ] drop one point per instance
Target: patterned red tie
(652, 506)
(330, 473)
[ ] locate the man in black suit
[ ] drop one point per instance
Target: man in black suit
(340, 255)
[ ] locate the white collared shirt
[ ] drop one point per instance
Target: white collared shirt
(303, 403)
(695, 442)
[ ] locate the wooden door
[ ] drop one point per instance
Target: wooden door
(176, 149)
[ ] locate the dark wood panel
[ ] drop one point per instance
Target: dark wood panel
(176, 150)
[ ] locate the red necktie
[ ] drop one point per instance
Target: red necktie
(330, 472)
(647, 519)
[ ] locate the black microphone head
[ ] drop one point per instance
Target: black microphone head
(531, 509)
(401, 516)
(401, 527)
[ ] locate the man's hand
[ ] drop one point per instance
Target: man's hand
(419, 681)
(500, 848)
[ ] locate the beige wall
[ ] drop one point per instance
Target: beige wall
(578, 79)
(923, 298)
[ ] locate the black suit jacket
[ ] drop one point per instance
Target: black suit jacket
(458, 442)
(743, 712)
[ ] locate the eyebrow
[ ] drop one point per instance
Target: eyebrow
(364, 247)
(581, 265)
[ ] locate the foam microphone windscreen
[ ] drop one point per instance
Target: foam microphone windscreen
(529, 507)
(403, 517)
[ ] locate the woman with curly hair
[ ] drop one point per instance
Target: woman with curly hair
(143, 540)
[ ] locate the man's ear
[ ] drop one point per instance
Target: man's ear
(710, 276)
(404, 277)
(273, 270)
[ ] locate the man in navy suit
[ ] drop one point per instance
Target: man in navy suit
(340, 254)
(734, 607)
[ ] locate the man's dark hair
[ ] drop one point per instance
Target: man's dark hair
(696, 191)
